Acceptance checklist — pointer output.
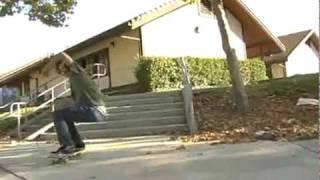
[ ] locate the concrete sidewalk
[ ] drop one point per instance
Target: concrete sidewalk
(156, 158)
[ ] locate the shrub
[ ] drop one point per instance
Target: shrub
(156, 73)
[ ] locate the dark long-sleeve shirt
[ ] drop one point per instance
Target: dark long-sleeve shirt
(84, 90)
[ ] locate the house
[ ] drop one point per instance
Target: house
(301, 55)
(23, 80)
(173, 29)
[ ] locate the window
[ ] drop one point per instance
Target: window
(88, 62)
(205, 8)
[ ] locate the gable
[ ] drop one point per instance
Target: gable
(293, 41)
(197, 36)
(258, 39)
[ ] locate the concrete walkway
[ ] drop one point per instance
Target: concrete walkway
(155, 158)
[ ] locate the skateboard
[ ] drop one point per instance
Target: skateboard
(64, 158)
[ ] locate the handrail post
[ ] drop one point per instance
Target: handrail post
(188, 97)
(65, 85)
(98, 73)
(18, 116)
(19, 122)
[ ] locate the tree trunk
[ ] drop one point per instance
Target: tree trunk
(239, 92)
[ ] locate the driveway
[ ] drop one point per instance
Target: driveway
(157, 158)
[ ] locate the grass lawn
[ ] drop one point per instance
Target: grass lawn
(296, 86)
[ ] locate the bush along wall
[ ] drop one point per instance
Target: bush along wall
(157, 73)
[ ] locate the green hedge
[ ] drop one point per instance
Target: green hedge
(156, 73)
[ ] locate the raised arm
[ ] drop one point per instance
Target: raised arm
(65, 57)
(58, 60)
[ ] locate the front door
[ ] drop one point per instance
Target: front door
(103, 57)
(90, 63)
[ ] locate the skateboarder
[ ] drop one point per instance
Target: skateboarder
(89, 106)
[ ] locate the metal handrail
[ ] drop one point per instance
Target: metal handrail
(185, 74)
(50, 89)
(18, 115)
(66, 81)
(45, 104)
(98, 74)
(187, 94)
(51, 101)
(52, 92)
(41, 86)
(5, 106)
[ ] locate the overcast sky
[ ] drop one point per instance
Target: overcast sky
(22, 41)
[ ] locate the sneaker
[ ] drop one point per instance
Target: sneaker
(55, 154)
(58, 150)
(68, 150)
(63, 152)
(80, 147)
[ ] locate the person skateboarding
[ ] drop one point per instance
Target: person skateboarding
(89, 106)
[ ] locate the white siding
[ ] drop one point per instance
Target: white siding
(174, 35)
(303, 60)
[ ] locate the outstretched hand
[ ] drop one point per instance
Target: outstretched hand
(66, 57)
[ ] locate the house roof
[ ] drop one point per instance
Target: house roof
(292, 41)
(132, 23)
(23, 70)
(259, 40)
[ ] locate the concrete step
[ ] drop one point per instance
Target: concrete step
(123, 112)
(37, 117)
(132, 102)
(44, 116)
(31, 128)
(124, 132)
(143, 95)
(128, 115)
(34, 124)
(34, 127)
(145, 114)
(121, 118)
(144, 107)
(130, 140)
(43, 121)
(131, 123)
(40, 113)
(38, 122)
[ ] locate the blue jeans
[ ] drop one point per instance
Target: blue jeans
(64, 120)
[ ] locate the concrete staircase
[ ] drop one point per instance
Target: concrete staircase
(33, 122)
(129, 115)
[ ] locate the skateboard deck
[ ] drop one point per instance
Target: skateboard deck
(64, 158)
